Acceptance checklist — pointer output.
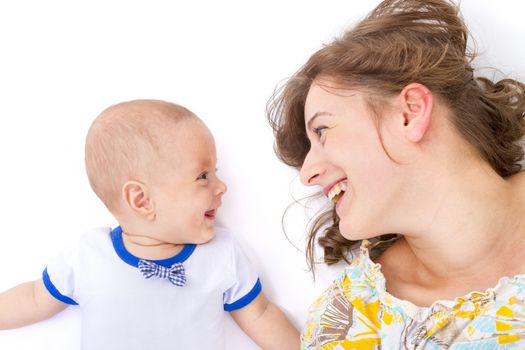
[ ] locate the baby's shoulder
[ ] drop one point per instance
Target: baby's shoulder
(223, 238)
(96, 237)
(223, 246)
(96, 233)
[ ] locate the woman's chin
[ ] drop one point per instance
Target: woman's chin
(355, 232)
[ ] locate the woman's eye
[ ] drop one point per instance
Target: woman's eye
(319, 131)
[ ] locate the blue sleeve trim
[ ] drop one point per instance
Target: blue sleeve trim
(245, 300)
(54, 292)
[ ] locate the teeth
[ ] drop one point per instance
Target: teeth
(335, 191)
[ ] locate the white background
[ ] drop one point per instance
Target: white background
(62, 62)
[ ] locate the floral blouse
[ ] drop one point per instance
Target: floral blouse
(356, 312)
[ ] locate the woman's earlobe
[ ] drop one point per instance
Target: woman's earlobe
(417, 111)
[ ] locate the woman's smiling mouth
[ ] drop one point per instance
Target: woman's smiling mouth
(337, 191)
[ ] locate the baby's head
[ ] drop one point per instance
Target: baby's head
(153, 164)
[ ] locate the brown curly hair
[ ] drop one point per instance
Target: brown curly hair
(400, 42)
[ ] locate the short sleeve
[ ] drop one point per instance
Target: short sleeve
(246, 286)
(59, 276)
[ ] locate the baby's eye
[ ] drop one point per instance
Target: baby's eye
(203, 176)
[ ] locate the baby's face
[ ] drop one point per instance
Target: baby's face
(185, 188)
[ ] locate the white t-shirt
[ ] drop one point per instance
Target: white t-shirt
(121, 309)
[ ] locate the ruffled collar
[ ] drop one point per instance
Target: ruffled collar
(366, 274)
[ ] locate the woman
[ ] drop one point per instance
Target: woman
(420, 158)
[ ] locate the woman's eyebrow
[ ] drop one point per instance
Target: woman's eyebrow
(317, 114)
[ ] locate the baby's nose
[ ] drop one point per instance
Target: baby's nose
(221, 188)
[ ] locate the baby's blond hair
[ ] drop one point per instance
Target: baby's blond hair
(123, 141)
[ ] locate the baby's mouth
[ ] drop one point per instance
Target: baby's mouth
(337, 191)
(210, 214)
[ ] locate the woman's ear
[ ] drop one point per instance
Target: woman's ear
(137, 198)
(416, 102)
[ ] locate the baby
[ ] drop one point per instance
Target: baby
(161, 279)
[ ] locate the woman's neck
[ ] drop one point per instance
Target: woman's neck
(473, 228)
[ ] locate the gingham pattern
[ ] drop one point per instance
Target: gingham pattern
(175, 274)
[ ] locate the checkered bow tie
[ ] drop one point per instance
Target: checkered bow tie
(175, 274)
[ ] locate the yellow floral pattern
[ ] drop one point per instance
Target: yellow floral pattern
(357, 312)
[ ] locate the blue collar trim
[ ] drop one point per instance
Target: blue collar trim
(127, 257)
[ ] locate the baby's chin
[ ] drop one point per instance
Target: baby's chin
(206, 240)
(203, 237)
(193, 241)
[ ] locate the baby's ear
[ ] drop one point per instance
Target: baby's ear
(137, 198)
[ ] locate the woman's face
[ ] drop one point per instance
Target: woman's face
(348, 161)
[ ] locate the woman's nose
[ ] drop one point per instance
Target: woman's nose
(311, 169)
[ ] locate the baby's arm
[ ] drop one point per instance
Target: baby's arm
(27, 303)
(267, 325)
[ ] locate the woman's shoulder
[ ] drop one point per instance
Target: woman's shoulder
(361, 278)
(358, 299)
(517, 184)
(518, 179)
